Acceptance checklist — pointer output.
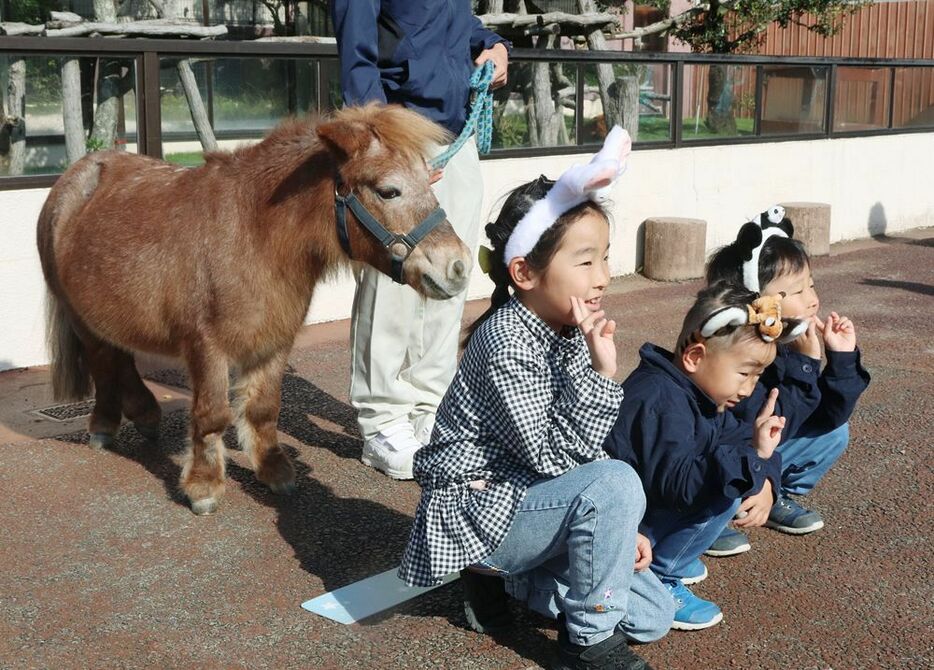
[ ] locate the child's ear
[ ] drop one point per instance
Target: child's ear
(692, 356)
(523, 277)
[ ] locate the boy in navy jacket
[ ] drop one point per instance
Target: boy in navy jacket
(699, 464)
(816, 404)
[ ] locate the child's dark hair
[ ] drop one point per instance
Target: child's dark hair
(516, 206)
(779, 256)
(718, 295)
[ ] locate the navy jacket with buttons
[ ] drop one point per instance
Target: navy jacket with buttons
(812, 402)
(418, 54)
(687, 453)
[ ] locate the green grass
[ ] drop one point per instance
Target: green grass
(186, 158)
(744, 126)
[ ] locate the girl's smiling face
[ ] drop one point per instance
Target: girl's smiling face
(800, 300)
(579, 267)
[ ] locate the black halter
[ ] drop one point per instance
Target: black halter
(399, 246)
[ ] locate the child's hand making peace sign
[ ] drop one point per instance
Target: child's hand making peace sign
(598, 332)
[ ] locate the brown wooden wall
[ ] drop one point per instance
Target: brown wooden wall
(881, 30)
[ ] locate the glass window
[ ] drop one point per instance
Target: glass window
(638, 96)
(101, 104)
(861, 98)
(719, 101)
(914, 97)
(537, 107)
(793, 99)
(242, 99)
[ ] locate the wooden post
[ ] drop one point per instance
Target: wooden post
(674, 248)
(14, 112)
(812, 225)
(199, 115)
(546, 115)
(627, 104)
(75, 145)
(605, 77)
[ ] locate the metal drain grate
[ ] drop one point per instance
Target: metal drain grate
(65, 412)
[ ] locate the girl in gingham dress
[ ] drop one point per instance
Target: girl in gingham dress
(515, 483)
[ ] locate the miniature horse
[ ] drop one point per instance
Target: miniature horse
(217, 265)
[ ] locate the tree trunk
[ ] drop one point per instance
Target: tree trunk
(75, 145)
(626, 103)
(605, 77)
(104, 129)
(14, 111)
(720, 117)
(548, 115)
(199, 115)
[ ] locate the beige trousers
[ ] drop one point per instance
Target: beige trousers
(403, 345)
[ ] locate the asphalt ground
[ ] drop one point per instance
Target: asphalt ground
(104, 566)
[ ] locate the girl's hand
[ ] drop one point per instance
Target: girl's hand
(643, 552)
(768, 429)
(757, 508)
(599, 335)
(808, 343)
(838, 332)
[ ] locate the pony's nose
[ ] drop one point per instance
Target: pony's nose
(457, 271)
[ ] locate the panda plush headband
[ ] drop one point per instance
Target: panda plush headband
(753, 236)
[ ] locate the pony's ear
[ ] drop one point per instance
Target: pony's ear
(748, 238)
(345, 138)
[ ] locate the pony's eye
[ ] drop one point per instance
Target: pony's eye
(388, 193)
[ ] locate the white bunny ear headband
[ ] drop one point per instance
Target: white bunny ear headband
(592, 181)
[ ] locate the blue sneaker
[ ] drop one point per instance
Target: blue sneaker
(730, 543)
(789, 517)
(693, 613)
(694, 572)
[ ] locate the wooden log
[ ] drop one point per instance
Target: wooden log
(104, 131)
(626, 104)
(569, 23)
(301, 39)
(152, 28)
(674, 248)
(15, 28)
(605, 76)
(812, 225)
(199, 115)
(75, 143)
(66, 17)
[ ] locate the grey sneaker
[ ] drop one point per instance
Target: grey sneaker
(730, 543)
(788, 516)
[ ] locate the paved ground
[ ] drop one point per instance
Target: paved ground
(105, 567)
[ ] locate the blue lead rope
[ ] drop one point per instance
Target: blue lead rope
(480, 119)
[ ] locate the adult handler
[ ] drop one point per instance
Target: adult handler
(403, 345)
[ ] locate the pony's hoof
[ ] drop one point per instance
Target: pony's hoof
(283, 488)
(149, 431)
(100, 440)
(204, 506)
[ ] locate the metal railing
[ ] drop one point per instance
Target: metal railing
(148, 54)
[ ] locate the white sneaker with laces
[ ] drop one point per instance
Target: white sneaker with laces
(391, 450)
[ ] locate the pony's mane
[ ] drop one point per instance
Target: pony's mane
(407, 133)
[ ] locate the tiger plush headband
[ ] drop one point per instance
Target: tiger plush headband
(765, 313)
(579, 183)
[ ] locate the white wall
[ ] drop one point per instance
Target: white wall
(874, 185)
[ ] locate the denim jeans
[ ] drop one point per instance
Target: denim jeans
(575, 537)
(808, 458)
(679, 538)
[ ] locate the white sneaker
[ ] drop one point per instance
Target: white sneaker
(391, 450)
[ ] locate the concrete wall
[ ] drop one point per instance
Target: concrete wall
(874, 185)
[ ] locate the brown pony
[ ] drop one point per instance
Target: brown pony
(217, 265)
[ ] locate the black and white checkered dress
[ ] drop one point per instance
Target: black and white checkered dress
(525, 404)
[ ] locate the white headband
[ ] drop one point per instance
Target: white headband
(578, 183)
(751, 267)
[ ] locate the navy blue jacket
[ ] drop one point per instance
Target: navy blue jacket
(687, 453)
(811, 404)
(417, 54)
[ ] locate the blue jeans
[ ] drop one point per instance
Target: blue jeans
(575, 537)
(679, 538)
(808, 458)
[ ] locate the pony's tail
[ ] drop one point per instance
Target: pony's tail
(70, 377)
